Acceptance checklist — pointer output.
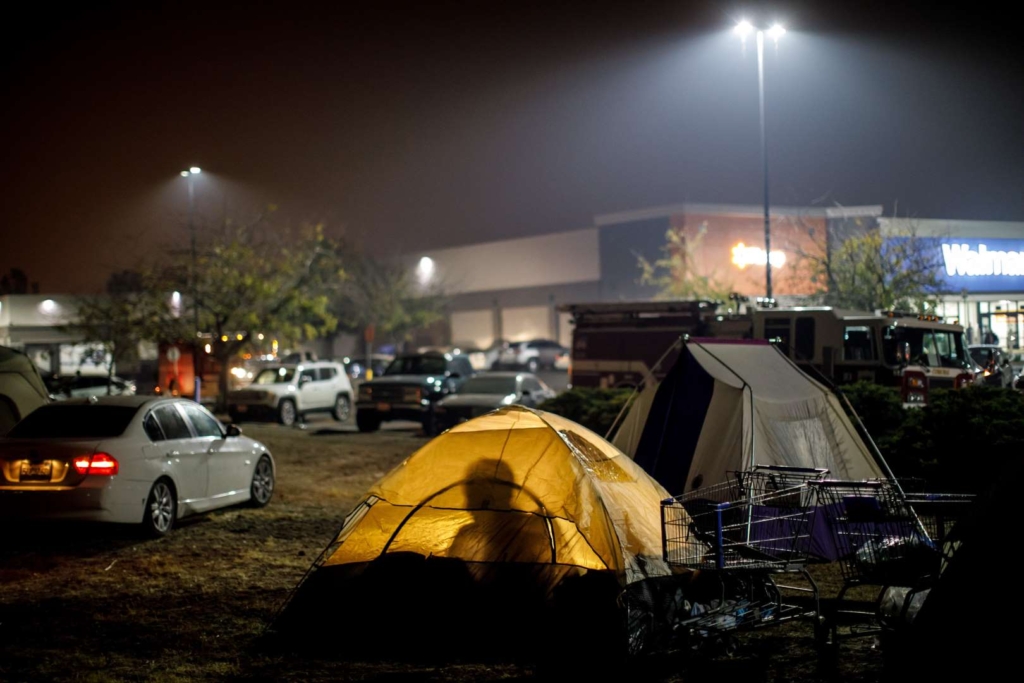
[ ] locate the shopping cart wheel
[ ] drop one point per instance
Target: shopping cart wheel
(826, 639)
(720, 645)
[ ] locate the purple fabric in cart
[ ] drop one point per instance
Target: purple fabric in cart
(776, 529)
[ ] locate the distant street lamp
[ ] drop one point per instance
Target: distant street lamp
(190, 176)
(744, 29)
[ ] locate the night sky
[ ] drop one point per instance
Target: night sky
(408, 128)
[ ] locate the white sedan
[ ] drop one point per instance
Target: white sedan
(129, 459)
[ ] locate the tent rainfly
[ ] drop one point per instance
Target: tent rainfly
(728, 405)
(482, 533)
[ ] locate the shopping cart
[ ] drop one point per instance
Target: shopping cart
(886, 538)
(744, 532)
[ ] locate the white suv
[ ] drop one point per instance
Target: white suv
(288, 392)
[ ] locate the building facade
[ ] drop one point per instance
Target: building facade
(982, 271)
(510, 290)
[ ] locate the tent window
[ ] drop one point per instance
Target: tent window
(858, 344)
(805, 339)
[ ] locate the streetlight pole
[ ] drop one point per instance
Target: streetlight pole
(743, 29)
(190, 175)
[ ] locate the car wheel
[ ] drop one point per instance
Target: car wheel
(262, 488)
(342, 408)
(367, 421)
(533, 365)
(161, 509)
(286, 413)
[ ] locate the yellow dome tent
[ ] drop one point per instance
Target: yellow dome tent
(519, 506)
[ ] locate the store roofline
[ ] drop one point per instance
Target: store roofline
(873, 211)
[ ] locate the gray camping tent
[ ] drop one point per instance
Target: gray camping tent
(728, 405)
(21, 388)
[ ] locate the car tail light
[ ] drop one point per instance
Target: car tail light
(99, 464)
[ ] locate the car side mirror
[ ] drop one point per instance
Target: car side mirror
(904, 353)
(234, 430)
(303, 380)
(454, 375)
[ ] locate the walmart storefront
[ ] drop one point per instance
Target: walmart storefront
(982, 266)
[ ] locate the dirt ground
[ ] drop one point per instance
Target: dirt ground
(96, 603)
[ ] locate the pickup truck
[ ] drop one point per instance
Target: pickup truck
(409, 388)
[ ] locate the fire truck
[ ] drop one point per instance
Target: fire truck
(624, 343)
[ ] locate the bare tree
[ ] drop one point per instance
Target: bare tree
(867, 269)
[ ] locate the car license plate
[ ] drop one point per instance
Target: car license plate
(36, 471)
(384, 407)
(242, 408)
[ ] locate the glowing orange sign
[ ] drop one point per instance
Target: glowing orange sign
(743, 256)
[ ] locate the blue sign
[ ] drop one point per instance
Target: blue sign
(982, 265)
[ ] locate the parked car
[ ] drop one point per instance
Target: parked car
(129, 459)
(481, 358)
(493, 352)
(533, 355)
(484, 393)
(356, 366)
(84, 386)
(995, 364)
(287, 393)
(408, 389)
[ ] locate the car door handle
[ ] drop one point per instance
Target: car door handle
(173, 454)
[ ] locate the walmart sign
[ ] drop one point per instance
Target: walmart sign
(983, 265)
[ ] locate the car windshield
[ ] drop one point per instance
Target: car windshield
(932, 348)
(275, 376)
(502, 386)
(982, 355)
(63, 421)
(417, 365)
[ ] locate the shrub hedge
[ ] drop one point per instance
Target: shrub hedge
(955, 443)
(595, 409)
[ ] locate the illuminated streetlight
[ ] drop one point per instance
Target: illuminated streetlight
(189, 176)
(425, 270)
(776, 32)
(744, 29)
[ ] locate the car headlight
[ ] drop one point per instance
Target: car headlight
(411, 394)
(365, 393)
